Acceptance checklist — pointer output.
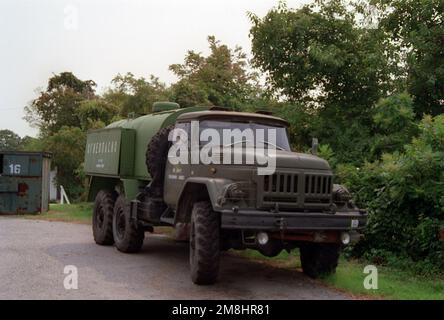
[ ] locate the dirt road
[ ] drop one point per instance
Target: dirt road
(33, 255)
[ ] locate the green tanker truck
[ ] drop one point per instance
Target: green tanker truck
(216, 206)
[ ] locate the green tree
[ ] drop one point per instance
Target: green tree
(68, 146)
(319, 55)
(404, 193)
(394, 125)
(222, 78)
(32, 144)
(57, 106)
(416, 27)
(96, 113)
(135, 95)
(9, 140)
(188, 94)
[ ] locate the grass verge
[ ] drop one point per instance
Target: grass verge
(79, 213)
(349, 277)
(74, 213)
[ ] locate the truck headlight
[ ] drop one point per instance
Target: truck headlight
(238, 191)
(341, 194)
(345, 238)
(262, 238)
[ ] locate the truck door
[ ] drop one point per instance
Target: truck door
(177, 169)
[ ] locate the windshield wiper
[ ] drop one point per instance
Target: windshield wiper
(272, 144)
(244, 141)
(237, 142)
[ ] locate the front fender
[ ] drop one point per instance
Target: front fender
(214, 187)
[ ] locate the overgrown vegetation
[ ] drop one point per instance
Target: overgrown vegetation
(404, 194)
(365, 77)
(369, 76)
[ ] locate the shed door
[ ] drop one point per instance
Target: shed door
(8, 195)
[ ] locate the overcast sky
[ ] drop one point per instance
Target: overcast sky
(96, 39)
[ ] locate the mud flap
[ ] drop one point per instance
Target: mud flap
(133, 212)
(182, 231)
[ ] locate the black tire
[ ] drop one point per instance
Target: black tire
(204, 244)
(102, 220)
(319, 259)
(128, 236)
(156, 158)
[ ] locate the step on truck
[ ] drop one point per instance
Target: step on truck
(216, 206)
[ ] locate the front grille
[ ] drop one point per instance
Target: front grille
(295, 190)
(281, 183)
(317, 188)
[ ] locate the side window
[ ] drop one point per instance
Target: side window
(186, 126)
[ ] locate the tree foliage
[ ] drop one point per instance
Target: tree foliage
(404, 193)
(417, 27)
(362, 74)
(9, 140)
(57, 105)
(68, 146)
(222, 78)
(319, 56)
(394, 125)
(135, 95)
(96, 113)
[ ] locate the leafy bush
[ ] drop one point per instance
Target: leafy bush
(404, 193)
(393, 124)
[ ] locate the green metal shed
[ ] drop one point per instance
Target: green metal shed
(24, 182)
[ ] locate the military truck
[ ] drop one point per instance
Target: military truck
(216, 207)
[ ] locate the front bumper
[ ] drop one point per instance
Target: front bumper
(292, 221)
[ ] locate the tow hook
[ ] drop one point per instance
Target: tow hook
(281, 223)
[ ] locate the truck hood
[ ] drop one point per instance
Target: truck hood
(287, 159)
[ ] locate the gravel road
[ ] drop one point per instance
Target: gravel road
(33, 255)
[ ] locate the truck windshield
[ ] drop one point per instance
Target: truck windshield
(281, 132)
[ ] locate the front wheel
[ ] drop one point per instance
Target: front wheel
(128, 236)
(319, 259)
(204, 244)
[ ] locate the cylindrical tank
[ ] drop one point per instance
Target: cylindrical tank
(138, 132)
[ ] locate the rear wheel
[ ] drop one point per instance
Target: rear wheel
(204, 244)
(319, 259)
(102, 221)
(128, 236)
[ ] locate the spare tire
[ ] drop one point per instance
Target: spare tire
(156, 158)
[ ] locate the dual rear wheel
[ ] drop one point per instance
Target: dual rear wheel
(112, 223)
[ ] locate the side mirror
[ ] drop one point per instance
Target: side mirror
(314, 146)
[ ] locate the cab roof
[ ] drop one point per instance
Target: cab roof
(232, 116)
